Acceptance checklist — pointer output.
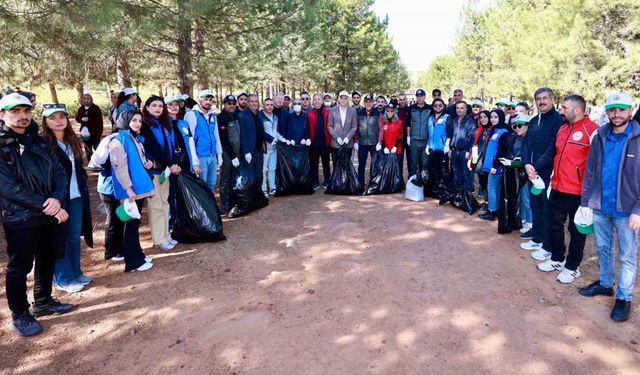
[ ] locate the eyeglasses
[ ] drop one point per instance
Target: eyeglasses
(518, 126)
(304, 98)
(438, 105)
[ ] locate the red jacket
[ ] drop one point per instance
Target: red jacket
(572, 147)
(392, 135)
(312, 117)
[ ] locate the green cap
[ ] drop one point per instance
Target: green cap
(50, 109)
(14, 100)
(620, 100)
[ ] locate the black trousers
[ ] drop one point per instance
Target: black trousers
(173, 208)
(565, 205)
(512, 182)
(225, 182)
(131, 249)
(363, 153)
(435, 167)
(23, 246)
(317, 153)
(113, 228)
(541, 230)
(91, 145)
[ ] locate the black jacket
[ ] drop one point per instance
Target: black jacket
(81, 176)
(27, 180)
(540, 146)
(163, 157)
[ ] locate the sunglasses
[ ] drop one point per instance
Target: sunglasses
(518, 126)
(55, 106)
(304, 98)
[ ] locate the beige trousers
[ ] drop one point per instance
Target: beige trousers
(159, 212)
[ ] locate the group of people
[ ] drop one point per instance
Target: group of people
(534, 173)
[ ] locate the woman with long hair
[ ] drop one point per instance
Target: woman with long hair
(166, 148)
(497, 147)
(479, 146)
(131, 182)
(67, 147)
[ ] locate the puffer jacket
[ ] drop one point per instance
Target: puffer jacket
(28, 179)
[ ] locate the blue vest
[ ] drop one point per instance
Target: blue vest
(139, 177)
(492, 149)
(183, 127)
(437, 132)
(205, 136)
(105, 183)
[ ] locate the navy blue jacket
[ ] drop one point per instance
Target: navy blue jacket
(251, 132)
(297, 127)
(539, 149)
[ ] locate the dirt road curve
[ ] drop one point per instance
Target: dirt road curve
(333, 285)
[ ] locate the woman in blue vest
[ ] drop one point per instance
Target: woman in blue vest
(165, 147)
(437, 145)
(181, 127)
(497, 148)
(67, 147)
(131, 182)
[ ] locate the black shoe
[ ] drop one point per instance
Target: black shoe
(233, 213)
(528, 235)
(595, 289)
(489, 215)
(621, 311)
(316, 187)
(325, 186)
(26, 325)
(53, 306)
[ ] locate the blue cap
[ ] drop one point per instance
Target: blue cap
(420, 92)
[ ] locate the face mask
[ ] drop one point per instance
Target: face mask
(327, 104)
(297, 108)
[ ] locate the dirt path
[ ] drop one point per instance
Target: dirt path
(333, 285)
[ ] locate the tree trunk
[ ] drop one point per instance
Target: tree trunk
(122, 67)
(54, 92)
(79, 90)
(184, 52)
(203, 81)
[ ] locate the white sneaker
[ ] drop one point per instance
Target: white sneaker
(166, 246)
(550, 265)
(117, 259)
(541, 254)
(530, 245)
(145, 266)
(173, 242)
(70, 288)
(148, 259)
(568, 276)
(526, 227)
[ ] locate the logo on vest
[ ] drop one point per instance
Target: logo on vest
(386, 127)
(577, 136)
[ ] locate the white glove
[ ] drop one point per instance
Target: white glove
(378, 147)
(235, 162)
(340, 141)
(219, 161)
(426, 150)
(308, 142)
(345, 140)
(505, 162)
(356, 146)
(293, 143)
(408, 141)
(386, 151)
(394, 149)
(274, 142)
(84, 119)
(447, 149)
(247, 157)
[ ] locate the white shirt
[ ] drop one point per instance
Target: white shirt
(343, 115)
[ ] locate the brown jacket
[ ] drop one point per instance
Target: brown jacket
(338, 129)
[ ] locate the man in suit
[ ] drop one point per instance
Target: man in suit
(343, 123)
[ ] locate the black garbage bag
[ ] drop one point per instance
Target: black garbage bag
(293, 172)
(344, 178)
(198, 217)
(465, 201)
(246, 190)
(447, 193)
(386, 177)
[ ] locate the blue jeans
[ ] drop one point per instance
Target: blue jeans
(494, 184)
(208, 169)
(462, 176)
(525, 205)
(604, 226)
(68, 268)
(269, 168)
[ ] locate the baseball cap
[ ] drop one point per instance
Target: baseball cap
(182, 97)
(537, 186)
(583, 220)
(503, 101)
(368, 98)
(286, 97)
(50, 109)
(229, 99)
(618, 99)
(244, 94)
(129, 91)
(170, 99)
(420, 92)
(477, 103)
(391, 106)
(344, 93)
(356, 92)
(206, 94)
(14, 100)
(522, 119)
